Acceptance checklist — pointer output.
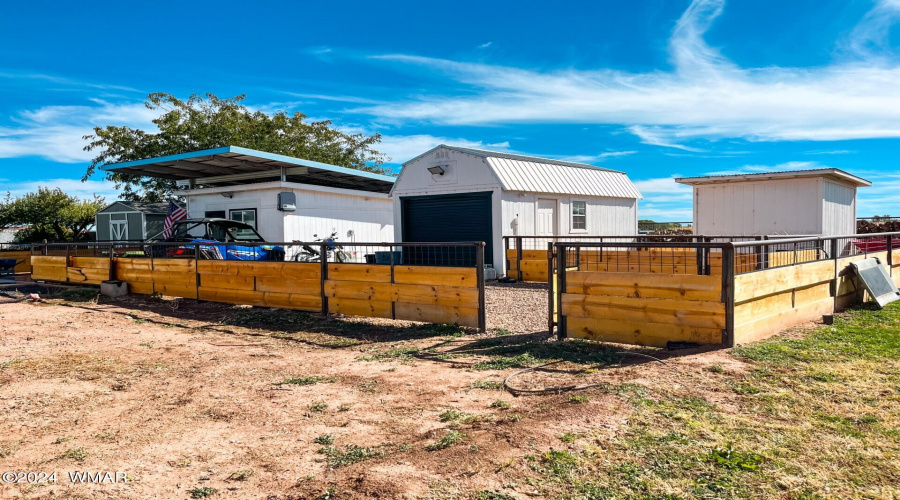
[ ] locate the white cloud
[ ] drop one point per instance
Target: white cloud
(485, 45)
(55, 132)
(704, 96)
(83, 190)
(591, 158)
(402, 148)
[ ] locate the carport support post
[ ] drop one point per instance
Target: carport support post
(479, 272)
(728, 293)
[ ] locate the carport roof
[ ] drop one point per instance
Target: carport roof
(232, 165)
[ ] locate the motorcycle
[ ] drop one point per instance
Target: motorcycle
(333, 251)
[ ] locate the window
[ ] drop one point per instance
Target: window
(579, 215)
(247, 216)
(214, 214)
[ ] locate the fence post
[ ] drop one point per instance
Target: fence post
(519, 258)
(323, 272)
(479, 272)
(112, 264)
(393, 304)
(67, 262)
(728, 293)
(197, 254)
(561, 264)
(44, 248)
(552, 294)
(890, 255)
(759, 250)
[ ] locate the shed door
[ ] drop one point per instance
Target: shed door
(446, 218)
(546, 218)
(118, 230)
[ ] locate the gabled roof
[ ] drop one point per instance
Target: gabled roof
(231, 165)
(830, 173)
(543, 175)
(140, 206)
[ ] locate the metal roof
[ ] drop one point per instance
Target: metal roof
(542, 175)
(140, 206)
(833, 173)
(214, 166)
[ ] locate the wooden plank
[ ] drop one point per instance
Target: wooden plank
(430, 275)
(288, 285)
(175, 290)
(228, 282)
(678, 312)
(49, 273)
(359, 290)
(352, 307)
(810, 294)
(48, 261)
(533, 255)
(436, 295)
(231, 296)
(133, 263)
(140, 287)
(86, 275)
(766, 327)
(639, 332)
(130, 275)
(173, 265)
(533, 270)
(645, 285)
(297, 301)
(90, 262)
(183, 278)
(761, 283)
(770, 305)
(359, 272)
(430, 313)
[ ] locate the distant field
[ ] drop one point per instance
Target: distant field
(195, 400)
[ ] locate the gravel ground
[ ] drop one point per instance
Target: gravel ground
(517, 307)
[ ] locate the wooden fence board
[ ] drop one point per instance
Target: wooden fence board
(48, 261)
(640, 332)
(303, 286)
(770, 325)
(90, 262)
(679, 312)
(239, 282)
(49, 273)
(359, 272)
(353, 307)
(175, 290)
(645, 285)
(429, 275)
(86, 275)
(359, 290)
(436, 295)
(464, 316)
(298, 301)
(761, 283)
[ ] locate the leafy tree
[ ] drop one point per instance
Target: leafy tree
(50, 214)
(210, 122)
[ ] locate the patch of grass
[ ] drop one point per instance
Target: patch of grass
(77, 454)
(715, 369)
(489, 385)
(493, 495)
(352, 454)
(318, 407)
(502, 332)
(369, 386)
(325, 439)
(451, 415)
(343, 342)
(203, 492)
(499, 403)
(400, 353)
(450, 438)
(514, 417)
(244, 316)
(560, 463)
(506, 362)
(75, 294)
(578, 399)
(240, 475)
(7, 364)
(567, 437)
(314, 379)
(343, 408)
(729, 458)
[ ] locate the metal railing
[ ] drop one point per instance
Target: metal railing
(758, 256)
(663, 226)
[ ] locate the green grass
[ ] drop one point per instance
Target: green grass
(318, 407)
(488, 385)
(203, 492)
(77, 454)
(451, 438)
(352, 454)
(578, 399)
(400, 353)
(325, 439)
(315, 379)
(501, 404)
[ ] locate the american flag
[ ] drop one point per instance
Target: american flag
(173, 213)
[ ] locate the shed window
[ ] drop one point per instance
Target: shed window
(579, 215)
(245, 215)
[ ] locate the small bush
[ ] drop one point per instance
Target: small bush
(319, 407)
(450, 438)
(576, 399)
(202, 492)
(324, 439)
(499, 403)
(729, 458)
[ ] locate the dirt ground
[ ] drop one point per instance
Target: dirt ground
(186, 397)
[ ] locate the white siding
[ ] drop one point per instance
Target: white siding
(319, 211)
(465, 173)
(605, 216)
(838, 209)
(783, 206)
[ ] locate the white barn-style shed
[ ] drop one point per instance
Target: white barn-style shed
(799, 202)
(453, 193)
(283, 197)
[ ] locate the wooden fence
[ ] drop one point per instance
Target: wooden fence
(435, 294)
(658, 296)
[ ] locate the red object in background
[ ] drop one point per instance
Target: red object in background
(875, 244)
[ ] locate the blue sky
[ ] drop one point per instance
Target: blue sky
(655, 88)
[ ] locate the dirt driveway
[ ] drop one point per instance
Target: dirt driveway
(198, 399)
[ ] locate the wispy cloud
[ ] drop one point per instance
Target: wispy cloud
(830, 152)
(485, 45)
(760, 169)
(406, 147)
(591, 158)
(704, 96)
(74, 187)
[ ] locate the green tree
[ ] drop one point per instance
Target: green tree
(210, 122)
(50, 214)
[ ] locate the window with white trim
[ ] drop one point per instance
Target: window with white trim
(579, 215)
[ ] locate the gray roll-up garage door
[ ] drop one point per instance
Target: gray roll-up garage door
(446, 218)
